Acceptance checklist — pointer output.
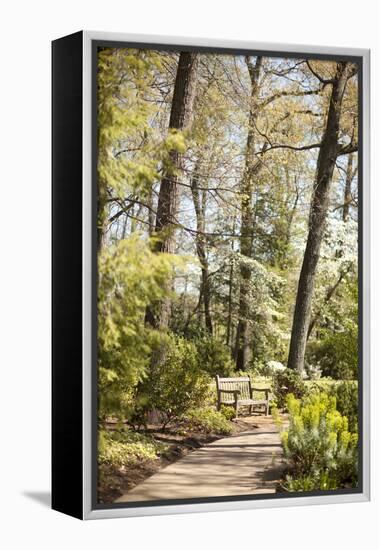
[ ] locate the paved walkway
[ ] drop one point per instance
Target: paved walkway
(250, 462)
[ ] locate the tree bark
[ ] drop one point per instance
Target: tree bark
(180, 116)
(101, 216)
(181, 109)
(151, 216)
(242, 346)
(328, 152)
(201, 249)
(348, 182)
(229, 327)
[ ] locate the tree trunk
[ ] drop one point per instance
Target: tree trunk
(242, 346)
(181, 109)
(284, 253)
(229, 327)
(348, 182)
(101, 216)
(151, 216)
(328, 153)
(201, 248)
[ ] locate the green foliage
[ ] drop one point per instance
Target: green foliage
(337, 354)
(208, 420)
(321, 449)
(310, 482)
(131, 149)
(228, 412)
(263, 296)
(176, 382)
(130, 277)
(260, 368)
(121, 448)
(346, 394)
(347, 400)
(124, 112)
(286, 382)
(214, 356)
(336, 349)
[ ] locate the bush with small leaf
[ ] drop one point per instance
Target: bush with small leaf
(208, 420)
(123, 447)
(214, 356)
(286, 382)
(346, 393)
(176, 382)
(321, 450)
(337, 354)
(131, 276)
(228, 412)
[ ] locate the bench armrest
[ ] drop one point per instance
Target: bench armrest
(265, 390)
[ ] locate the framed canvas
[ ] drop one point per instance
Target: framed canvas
(210, 275)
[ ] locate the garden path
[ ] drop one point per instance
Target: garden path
(250, 462)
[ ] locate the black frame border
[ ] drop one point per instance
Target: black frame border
(67, 266)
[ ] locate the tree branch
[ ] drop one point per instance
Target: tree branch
(290, 94)
(283, 146)
(347, 149)
(324, 81)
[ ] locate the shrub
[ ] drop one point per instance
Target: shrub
(120, 448)
(214, 356)
(337, 355)
(208, 420)
(307, 483)
(130, 277)
(286, 382)
(346, 394)
(176, 383)
(321, 450)
(228, 412)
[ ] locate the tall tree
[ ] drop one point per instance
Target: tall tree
(242, 348)
(330, 148)
(199, 201)
(166, 216)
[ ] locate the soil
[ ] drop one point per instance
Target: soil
(120, 481)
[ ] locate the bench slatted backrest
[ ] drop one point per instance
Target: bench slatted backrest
(241, 383)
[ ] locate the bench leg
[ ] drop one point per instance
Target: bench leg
(250, 409)
(236, 408)
(267, 409)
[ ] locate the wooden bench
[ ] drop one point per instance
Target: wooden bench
(238, 392)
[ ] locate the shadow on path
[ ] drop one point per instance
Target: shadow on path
(246, 463)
